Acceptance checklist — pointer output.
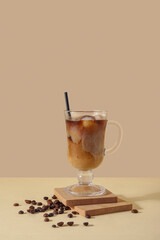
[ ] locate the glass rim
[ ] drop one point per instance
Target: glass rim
(104, 111)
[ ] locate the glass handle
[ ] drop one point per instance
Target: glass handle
(119, 138)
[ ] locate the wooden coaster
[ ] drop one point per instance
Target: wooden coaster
(71, 200)
(98, 209)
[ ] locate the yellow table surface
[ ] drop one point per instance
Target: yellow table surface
(144, 193)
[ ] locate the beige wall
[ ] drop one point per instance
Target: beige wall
(106, 54)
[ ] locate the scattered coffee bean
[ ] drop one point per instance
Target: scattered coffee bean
(54, 197)
(31, 207)
(45, 215)
(88, 216)
(45, 198)
(56, 205)
(50, 215)
(39, 209)
(55, 211)
(70, 223)
(32, 211)
(67, 208)
(70, 215)
(39, 204)
(46, 219)
(16, 204)
(54, 226)
(56, 201)
(61, 205)
(28, 210)
(33, 202)
(61, 212)
(60, 224)
(21, 212)
(52, 206)
(85, 223)
(74, 212)
(49, 201)
(28, 201)
(134, 211)
(44, 208)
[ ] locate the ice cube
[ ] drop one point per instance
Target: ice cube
(88, 117)
(98, 116)
(87, 121)
(75, 133)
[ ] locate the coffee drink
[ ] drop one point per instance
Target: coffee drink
(85, 136)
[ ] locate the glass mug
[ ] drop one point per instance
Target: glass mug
(85, 136)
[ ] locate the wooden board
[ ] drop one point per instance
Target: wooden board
(98, 209)
(71, 200)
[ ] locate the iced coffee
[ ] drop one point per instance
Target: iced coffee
(85, 141)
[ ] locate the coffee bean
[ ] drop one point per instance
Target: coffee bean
(16, 204)
(134, 211)
(88, 216)
(39, 209)
(49, 201)
(45, 215)
(45, 198)
(74, 212)
(56, 205)
(70, 223)
(67, 208)
(33, 202)
(28, 210)
(56, 201)
(70, 215)
(50, 215)
(46, 219)
(32, 211)
(28, 201)
(61, 205)
(31, 207)
(54, 197)
(60, 224)
(55, 211)
(52, 206)
(85, 223)
(44, 208)
(54, 226)
(61, 212)
(39, 204)
(21, 212)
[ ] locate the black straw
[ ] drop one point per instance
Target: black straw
(67, 103)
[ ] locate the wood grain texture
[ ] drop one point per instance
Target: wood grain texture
(98, 209)
(71, 200)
